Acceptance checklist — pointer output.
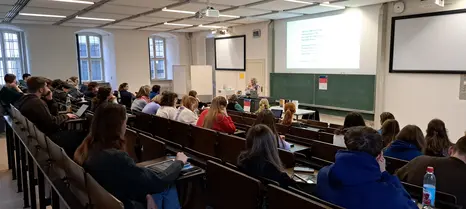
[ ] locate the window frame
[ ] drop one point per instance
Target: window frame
(89, 59)
(21, 53)
(164, 59)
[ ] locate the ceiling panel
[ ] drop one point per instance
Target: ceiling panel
(193, 22)
(360, 3)
(247, 20)
(157, 29)
(16, 21)
(30, 18)
(194, 7)
(97, 22)
(152, 20)
(280, 15)
(5, 8)
(71, 24)
(120, 27)
(8, 2)
(133, 23)
(38, 10)
(225, 24)
(245, 12)
(314, 10)
(171, 15)
(190, 30)
(56, 5)
(231, 2)
(117, 9)
(144, 3)
(105, 15)
(278, 5)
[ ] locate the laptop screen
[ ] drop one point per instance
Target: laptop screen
(277, 113)
(81, 110)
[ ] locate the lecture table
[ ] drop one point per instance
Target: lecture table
(189, 176)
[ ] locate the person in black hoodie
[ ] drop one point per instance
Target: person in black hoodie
(36, 110)
(102, 154)
(261, 159)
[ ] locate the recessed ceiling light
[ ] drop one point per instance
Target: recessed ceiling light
(178, 11)
(93, 18)
(75, 1)
(41, 15)
(232, 16)
(327, 4)
(301, 2)
(178, 24)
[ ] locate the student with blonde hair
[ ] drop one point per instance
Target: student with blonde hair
(216, 117)
(290, 110)
(153, 106)
(263, 105)
(142, 98)
(186, 113)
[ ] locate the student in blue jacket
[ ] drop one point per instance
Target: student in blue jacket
(408, 145)
(358, 179)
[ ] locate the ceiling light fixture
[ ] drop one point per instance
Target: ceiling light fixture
(327, 4)
(178, 11)
(177, 24)
(300, 2)
(41, 15)
(93, 18)
(209, 26)
(75, 1)
(232, 16)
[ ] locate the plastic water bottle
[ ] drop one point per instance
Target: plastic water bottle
(428, 194)
(68, 104)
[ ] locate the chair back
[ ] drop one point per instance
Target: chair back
(160, 127)
(236, 118)
(56, 154)
(180, 133)
(131, 139)
(76, 179)
(282, 129)
(287, 158)
(203, 140)
(249, 115)
(230, 189)
(278, 198)
(151, 148)
(329, 130)
(143, 121)
(324, 151)
(249, 121)
(315, 123)
(314, 198)
(393, 164)
(442, 199)
(326, 137)
(304, 133)
(99, 197)
(335, 126)
(229, 147)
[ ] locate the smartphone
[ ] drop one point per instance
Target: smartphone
(304, 169)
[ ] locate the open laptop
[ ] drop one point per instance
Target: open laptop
(277, 113)
(81, 110)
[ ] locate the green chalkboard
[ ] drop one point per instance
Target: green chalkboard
(343, 91)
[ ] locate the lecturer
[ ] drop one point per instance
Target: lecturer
(253, 86)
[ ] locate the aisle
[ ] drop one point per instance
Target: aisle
(9, 198)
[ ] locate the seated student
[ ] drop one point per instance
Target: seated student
(186, 113)
(126, 97)
(437, 142)
(91, 90)
(155, 91)
(449, 171)
(61, 91)
(358, 178)
(22, 83)
(193, 93)
(233, 104)
(385, 116)
(73, 81)
(103, 156)
(142, 98)
(290, 110)
(351, 120)
(10, 92)
(409, 144)
(104, 96)
(263, 105)
(216, 117)
(390, 128)
(261, 157)
(267, 118)
(167, 106)
(36, 110)
(153, 106)
(10, 82)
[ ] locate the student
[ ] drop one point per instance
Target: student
(409, 144)
(102, 154)
(267, 118)
(263, 105)
(358, 178)
(155, 91)
(153, 106)
(390, 129)
(216, 117)
(142, 98)
(437, 142)
(351, 120)
(261, 159)
(186, 113)
(193, 93)
(385, 116)
(10, 92)
(22, 83)
(73, 81)
(126, 97)
(449, 171)
(61, 91)
(33, 108)
(167, 106)
(10, 82)
(104, 96)
(290, 110)
(92, 89)
(233, 104)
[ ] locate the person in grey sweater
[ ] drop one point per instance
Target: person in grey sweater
(142, 98)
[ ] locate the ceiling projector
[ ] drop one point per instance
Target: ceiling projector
(208, 12)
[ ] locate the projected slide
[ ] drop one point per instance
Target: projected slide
(325, 42)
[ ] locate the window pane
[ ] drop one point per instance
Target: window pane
(11, 45)
(152, 69)
(82, 46)
(160, 67)
(151, 48)
(94, 42)
(1, 50)
(14, 67)
(2, 82)
(84, 70)
(159, 48)
(96, 68)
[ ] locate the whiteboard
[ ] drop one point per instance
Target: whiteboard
(429, 43)
(181, 79)
(201, 79)
(230, 53)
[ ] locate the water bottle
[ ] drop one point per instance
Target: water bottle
(428, 194)
(68, 104)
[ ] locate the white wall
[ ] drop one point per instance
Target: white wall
(418, 98)
(52, 53)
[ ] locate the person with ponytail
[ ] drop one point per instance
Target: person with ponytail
(102, 154)
(267, 118)
(290, 110)
(104, 95)
(437, 142)
(263, 105)
(216, 117)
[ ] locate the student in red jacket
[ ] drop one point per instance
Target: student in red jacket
(216, 117)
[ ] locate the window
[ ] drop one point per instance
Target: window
(91, 61)
(11, 54)
(158, 60)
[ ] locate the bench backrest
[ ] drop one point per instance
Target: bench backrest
(229, 147)
(278, 198)
(151, 148)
